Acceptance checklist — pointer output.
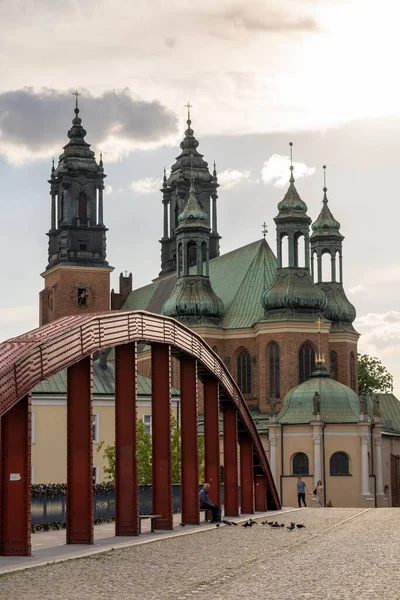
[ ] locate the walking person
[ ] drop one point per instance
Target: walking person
(205, 502)
(301, 492)
(319, 494)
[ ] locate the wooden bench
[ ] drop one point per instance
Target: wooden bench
(205, 511)
(151, 517)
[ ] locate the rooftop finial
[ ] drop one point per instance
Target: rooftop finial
(188, 106)
(76, 94)
(101, 158)
(165, 178)
(291, 162)
(325, 200)
(52, 165)
(264, 230)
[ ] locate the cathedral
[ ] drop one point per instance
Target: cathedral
(282, 326)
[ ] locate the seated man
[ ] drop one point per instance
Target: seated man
(205, 502)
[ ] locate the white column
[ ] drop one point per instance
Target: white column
(378, 464)
(317, 458)
(272, 456)
(365, 491)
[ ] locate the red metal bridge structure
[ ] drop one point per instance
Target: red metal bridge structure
(70, 343)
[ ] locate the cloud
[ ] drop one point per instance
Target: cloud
(108, 189)
(147, 185)
(33, 124)
(276, 170)
(380, 331)
(230, 178)
(356, 289)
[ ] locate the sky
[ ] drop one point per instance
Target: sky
(259, 74)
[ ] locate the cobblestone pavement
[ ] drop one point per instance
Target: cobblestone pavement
(340, 554)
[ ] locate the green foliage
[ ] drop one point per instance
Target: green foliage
(144, 455)
(373, 377)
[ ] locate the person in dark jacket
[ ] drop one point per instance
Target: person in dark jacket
(205, 502)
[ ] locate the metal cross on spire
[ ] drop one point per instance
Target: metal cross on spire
(76, 94)
(188, 106)
(264, 230)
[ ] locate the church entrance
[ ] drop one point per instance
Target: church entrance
(395, 479)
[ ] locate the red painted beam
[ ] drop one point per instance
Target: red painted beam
(211, 439)
(261, 492)
(15, 485)
(126, 476)
(246, 476)
(161, 435)
(80, 499)
(230, 461)
(189, 445)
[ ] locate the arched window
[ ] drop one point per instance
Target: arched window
(353, 379)
(284, 248)
(82, 208)
(274, 370)
(339, 464)
(306, 361)
(191, 254)
(300, 464)
(204, 258)
(299, 250)
(326, 266)
(243, 368)
(334, 364)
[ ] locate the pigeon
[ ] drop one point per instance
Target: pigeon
(253, 522)
(217, 524)
(246, 524)
(233, 523)
(269, 522)
(300, 525)
(282, 524)
(276, 524)
(264, 522)
(226, 522)
(182, 524)
(292, 527)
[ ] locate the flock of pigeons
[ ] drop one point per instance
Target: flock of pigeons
(273, 524)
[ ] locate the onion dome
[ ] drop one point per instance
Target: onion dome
(194, 302)
(293, 293)
(326, 224)
(339, 309)
(192, 214)
(292, 206)
(337, 402)
(77, 155)
(188, 158)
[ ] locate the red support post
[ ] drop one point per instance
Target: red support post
(246, 476)
(261, 493)
(211, 439)
(80, 501)
(126, 477)
(15, 469)
(189, 445)
(161, 435)
(231, 502)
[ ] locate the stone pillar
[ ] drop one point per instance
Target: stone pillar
(291, 253)
(80, 498)
(260, 493)
(318, 475)
(230, 461)
(126, 477)
(333, 266)
(53, 210)
(365, 491)
(214, 214)
(15, 480)
(246, 476)
(377, 439)
(161, 435)
(319, 266)
(272, 456)
(189, 450)
(100, 215)
(165, 233)
(211, 439)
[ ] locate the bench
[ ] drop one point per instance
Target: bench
(205, 511)
(151, 517)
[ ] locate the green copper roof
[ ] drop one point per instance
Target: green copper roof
(339, 309)
(194, 302)
(192, 215)
(238, 277)
(293, 292)
(190, 161)
(103, 383)
(338, 403)
(389, 408)
(326, 224)
(292, 206)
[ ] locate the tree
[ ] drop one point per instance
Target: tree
(373, 377)
(144, 455)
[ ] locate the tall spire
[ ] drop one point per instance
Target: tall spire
(291, 179)
(326, 223)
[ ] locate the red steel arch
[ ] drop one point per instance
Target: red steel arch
(68, 343)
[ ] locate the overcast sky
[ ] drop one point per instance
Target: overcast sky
(320, 73)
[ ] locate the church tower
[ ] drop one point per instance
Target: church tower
(293, 294)
(193, 301)
(175, 193)
(77, 277)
